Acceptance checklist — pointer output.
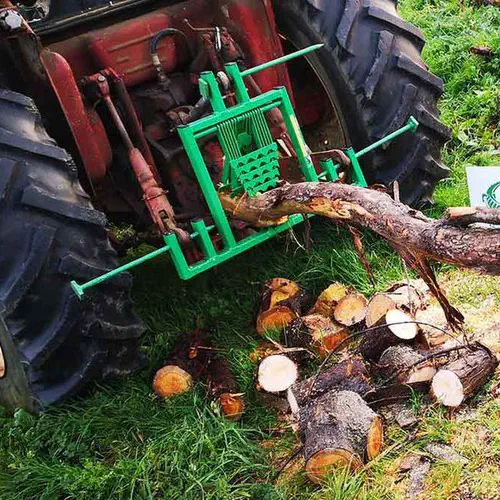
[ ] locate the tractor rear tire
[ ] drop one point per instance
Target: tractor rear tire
(52, 344)
(372, 71)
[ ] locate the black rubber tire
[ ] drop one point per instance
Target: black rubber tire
(371, 68)
(49, 235)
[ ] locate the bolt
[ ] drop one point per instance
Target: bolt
(10, 20)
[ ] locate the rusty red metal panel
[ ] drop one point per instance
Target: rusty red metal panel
(86, 126)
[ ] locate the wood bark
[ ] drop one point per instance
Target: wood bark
(414, 236)
(403, 363)
(281, 302)
(387, 332)
(315, 332)
(463, 377)
(338, 430)
(348, 375)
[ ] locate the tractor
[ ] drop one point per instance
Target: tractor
(137, 112)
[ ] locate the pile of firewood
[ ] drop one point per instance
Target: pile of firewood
(383, 354)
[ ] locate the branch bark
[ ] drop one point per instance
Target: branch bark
(413, 235)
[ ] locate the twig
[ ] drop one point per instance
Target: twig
(290, 459)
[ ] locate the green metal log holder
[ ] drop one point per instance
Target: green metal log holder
(245, 171)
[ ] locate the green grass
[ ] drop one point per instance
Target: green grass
(123, 442)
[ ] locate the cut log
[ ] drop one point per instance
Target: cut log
(223, 388)
(400, 362)
(281, 302)
(338, 430)
(277, 373)
(407, 297)
(187, 361)
(328, 299)
(351, 310)
(172, 380)
(395, 327)
(348, 375)
(463, 377)
(378, 306)
(315, 332)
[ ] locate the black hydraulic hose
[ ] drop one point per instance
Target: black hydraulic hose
(163, 34)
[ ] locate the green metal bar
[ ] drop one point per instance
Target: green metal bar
(358, 177)
(411, 124)
(80, 289)
(330, 170)
(187, 272)
(240, 89)
(205, 241)
(280, 60)
(208, 80)
(296, 137)
(206, 185)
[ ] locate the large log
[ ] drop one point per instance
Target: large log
(315, 332)
(393, 328)
(281, 302)
(413, 235)
(338, 430)
(348, 375)
(463, 377)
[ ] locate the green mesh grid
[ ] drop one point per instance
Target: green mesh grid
(257, 171)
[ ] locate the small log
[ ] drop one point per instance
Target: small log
(378, 306)
(351, 310)
(338, 429)
(172, 380)
(465, 216)
(315, 332)
(281, 302)
(392, 329)
(223, 388)
(186, 362)
(400, 362)
(407, 297)
(328, 299)
(277, 373)
(463, 377)
(348, 375)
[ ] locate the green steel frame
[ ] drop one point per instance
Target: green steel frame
(248, 172)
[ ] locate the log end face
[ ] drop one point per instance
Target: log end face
(232, 406)
(276, 318)
(325, 461)
(171, 380)
(351, 310)
(277, 373)
(447, 389)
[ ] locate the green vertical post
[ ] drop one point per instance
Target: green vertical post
(296, 137)
(206, 185)
(330, 169)
(240, 89)
(209, 88)
(358, 177)
(205, 241)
